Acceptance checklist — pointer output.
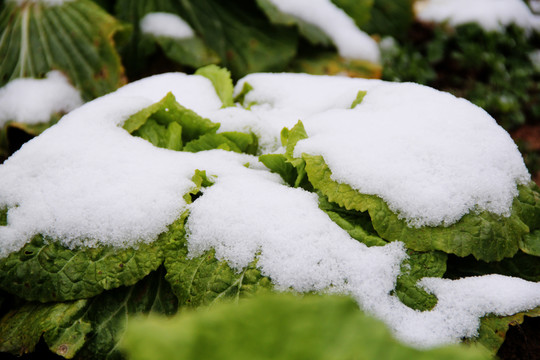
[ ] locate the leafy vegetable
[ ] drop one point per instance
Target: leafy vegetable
(44, 270)
(309, 31)
(22, 328)
(492, 331)
(240, 35)
(37, 38)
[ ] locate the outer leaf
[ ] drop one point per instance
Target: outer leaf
(529, 206)
(277, 163)
(309, 31)
(416, 267)
(37, 38)
(493, 329)
(329, 63)
(138, 48)
(357, 224)
(110, 312)
(22, 328)
(221, 79)
(390, 17)
(240, 34)
(486, 236)
(191, 51)
(204, 280)
(276, 327)
(531, 243)
(359, 10)
(47, 271)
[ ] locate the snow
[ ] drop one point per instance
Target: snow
(33, 101)
(300, 248)
(431, 156)
(166, 24)
(350, 41)
(86, 181)
(88, 171)
(490, 14)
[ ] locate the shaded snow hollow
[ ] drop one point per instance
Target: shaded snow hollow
(489, 14)
(87, 181)
(33, 101)
(166, 24)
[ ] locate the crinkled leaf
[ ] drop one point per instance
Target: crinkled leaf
(390, 17)
(330, 63)
(67, 341)
(277, 163)
(240, 34)
(110, 312)
(415, 267)
(280, 326)
(75, 38)
(486, 236)
(357, 224)
(530, 243)
(22, 328)
(528, 205)
(493, 329)
(45, 270)
(221, 79)
(168, 124)
(310, 31)
(204, 280)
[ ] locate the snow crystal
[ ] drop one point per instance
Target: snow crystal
(490, 14)
(350, 41)
(166, 24)
(33, 101)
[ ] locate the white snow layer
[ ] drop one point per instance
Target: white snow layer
(350, 41)
(490, 14)
(87, 181)
(33, 101)
(431, 156)
(166, 24)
